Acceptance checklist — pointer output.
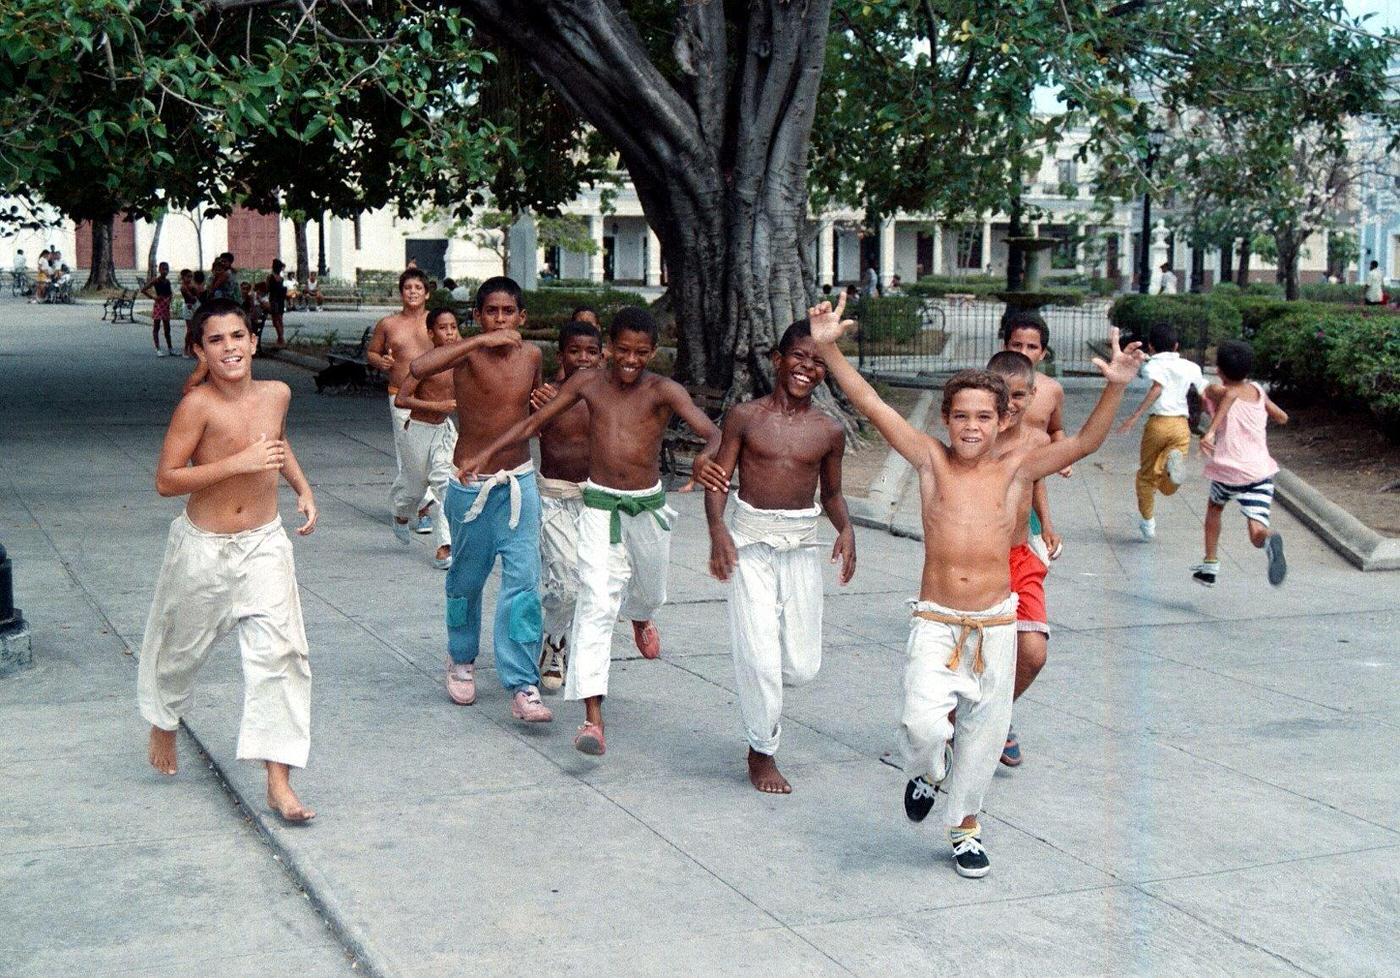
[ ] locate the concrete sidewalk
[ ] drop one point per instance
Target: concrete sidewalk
(1209, 785)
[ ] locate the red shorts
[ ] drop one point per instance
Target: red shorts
(1028, 581)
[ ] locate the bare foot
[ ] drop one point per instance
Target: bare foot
(765, 776)
(282, 799)
(647, 638)
(444, 552)
(162, 750)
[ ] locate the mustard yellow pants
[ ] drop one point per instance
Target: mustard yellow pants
(1160, 435)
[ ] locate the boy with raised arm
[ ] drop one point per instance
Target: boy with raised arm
(228, 562)
(396, 340)
(624, 541)
(563, 470)
(784, 448)
(497, 512)
(429, 439)
(962, 640)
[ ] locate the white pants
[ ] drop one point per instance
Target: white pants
(397, 417)
(560, 506)
(629, 577)
(983, 703)
(210, 583)
(775, 613)
(425, 463)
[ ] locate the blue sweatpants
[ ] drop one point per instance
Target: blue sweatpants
(475, 546)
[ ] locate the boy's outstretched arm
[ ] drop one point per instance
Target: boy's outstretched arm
(1118, 371)
(827, 327)
(528, 426)
(407, 398)
(705, 470)
(834, 505)
(1153, 392)
(723, 555)
(441, 358)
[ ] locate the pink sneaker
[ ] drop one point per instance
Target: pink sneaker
(589, 740)
(461, 683)
(648, 639)
(526, 705)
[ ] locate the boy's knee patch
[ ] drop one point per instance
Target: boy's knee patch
(457, 612)
(526, 624)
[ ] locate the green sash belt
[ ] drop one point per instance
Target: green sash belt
(631, 505)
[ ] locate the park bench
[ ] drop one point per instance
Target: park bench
(680, 443)
(332, 295)
(349, 367)
(122, 308)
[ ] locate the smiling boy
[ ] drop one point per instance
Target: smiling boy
(229, 563)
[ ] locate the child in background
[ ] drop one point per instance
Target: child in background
(159, 291)
(1239, 466)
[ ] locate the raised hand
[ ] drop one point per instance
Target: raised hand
(1124, 363)
(499, 337)
(826, 323)
(262, 455)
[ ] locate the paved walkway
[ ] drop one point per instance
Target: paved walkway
(1210, 785)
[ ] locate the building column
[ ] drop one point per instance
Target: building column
(886, 250)
(1079, 250)
(595, 260)
(937, 250)
(826, 254)
(1125, 255)
(653, 265)
(986, 245)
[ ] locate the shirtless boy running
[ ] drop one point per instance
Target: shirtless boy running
(784, 448)
(624, 531)
(563, 470)
(396, 340)
(428, 440)
(494, 510)
(228, 562)
(962, 649)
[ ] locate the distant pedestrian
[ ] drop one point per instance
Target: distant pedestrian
(160, 291)
(1239, 466)
(1375, 285)
(277, 298)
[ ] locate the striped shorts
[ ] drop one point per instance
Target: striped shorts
(1254, 498)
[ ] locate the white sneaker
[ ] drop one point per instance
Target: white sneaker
(1148, 529)
(1176, 466)
(160, 352)
(400, 531)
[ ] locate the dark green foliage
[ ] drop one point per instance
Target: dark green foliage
(894, 319)
(933, 286)
(1210, 316)
(1351, 295)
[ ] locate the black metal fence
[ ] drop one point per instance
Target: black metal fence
(906, 338)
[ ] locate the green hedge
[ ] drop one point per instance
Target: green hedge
(1337, 293)
(1335, 354)
(893, 319)
(932, 286)
(1135, 316)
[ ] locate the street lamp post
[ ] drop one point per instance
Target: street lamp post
(1155, 138)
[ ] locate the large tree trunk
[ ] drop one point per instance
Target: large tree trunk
(1242, 275)
(719, 159)
(151, 263)
(102, 271)
(1198, 268)
(1227, 262)
(303, 253)
(1289, 246)
(1015, 257)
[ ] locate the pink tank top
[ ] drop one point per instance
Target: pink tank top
(1241, 448)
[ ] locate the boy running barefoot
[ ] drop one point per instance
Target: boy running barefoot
(962, 650)
(563, 470)
(429, 438)
(1166, 438)
(1239, 465)
(229, 562)
(495, 509)
(624, 541)
(784, 447)
(396, 340)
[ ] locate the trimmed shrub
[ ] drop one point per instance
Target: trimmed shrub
(1227, 289)
(1212, 316)
(1042, 297)
(892, 319)
(1334, 292)
(934, 286)
(1271, 290)
(550, 308)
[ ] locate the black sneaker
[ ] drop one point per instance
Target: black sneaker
(1278, 567)
(920, 795)
(1204, 572)
(970, 859)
